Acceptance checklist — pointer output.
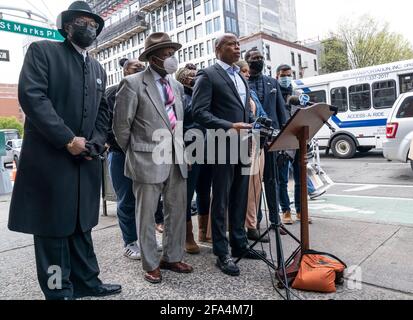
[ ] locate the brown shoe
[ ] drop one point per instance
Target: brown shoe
(154, 276)
(287, 219)
(310, 221)
(190, 245)
(178, 267)
(203, 228)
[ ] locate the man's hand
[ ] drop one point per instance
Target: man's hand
(77, 146)
(241, 126)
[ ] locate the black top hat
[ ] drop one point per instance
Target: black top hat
(155, 41)
(77, 7)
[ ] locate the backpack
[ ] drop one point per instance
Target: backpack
(319, 272)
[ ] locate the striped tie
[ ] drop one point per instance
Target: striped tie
(169, 102)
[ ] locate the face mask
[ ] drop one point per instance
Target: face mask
(257, 66)
(285, 82)
(170, 65)
(83, 36)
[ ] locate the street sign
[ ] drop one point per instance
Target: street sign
(4, 55)
(29, 30)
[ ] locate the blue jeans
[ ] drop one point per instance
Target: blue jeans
(283, 172)
(310, 186)
(126, 200)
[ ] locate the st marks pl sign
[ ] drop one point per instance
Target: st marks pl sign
(29, 30)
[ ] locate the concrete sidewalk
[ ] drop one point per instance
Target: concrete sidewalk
(382, 251)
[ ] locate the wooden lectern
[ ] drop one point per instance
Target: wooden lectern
(296, 134)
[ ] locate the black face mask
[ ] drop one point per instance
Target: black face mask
(83, 36)
(257, 66)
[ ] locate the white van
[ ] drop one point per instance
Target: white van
(364, 98)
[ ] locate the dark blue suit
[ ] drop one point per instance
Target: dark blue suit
(274, 105)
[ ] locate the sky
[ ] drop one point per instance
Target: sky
(315, 19)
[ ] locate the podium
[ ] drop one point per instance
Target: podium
(299, 130)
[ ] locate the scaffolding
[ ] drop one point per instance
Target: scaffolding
(105, 8)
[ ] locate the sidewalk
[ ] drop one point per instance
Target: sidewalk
(384, 253)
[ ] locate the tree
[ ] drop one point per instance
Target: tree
(334, 56)
(367, 42)
(11, 123)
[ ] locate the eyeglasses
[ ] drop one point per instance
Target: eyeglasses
(84, 23)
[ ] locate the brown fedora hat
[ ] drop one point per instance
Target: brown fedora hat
(155, 41)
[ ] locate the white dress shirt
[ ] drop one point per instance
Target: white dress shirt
(233, 72)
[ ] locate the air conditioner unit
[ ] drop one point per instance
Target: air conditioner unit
(305, 65)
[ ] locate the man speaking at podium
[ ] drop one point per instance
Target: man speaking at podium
(220, 101)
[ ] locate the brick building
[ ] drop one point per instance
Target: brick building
(9, 104)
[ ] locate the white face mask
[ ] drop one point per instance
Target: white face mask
(170, 65)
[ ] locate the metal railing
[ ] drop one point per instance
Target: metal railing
(121, 27)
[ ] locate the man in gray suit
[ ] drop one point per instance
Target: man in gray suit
(148, 104)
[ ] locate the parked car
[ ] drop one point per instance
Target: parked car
(399, 130)
(13, 149)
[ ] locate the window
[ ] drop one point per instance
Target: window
(203, 65)
(208, 7)
(196, 51)
(406, 109)
(199, 31)
(181, 37)
(318, 96)
(268, 52)
(230, 6)
(180, 56)
(217, 24)
(292, 58)
(300, 61)
(339, 98)
(215, 5)
(209, 47)
(208, 27)
(185, 55)
(315, 65)
(191, 53)
(359, 97)
(190, 35)
(201, 50)
(406, 82)
(384, 94)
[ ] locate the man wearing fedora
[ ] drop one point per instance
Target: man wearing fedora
(146, 104)
(56, 195)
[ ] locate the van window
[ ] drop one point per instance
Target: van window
(359, 96)
(406, 83)
(318, 96)
(384, 94)
(339, 98)
(406, 109)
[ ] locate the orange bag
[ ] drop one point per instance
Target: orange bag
(319, 272)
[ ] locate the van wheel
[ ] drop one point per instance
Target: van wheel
(343, 147)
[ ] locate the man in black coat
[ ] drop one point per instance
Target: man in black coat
(221, 101)
(270, 95)
(56, 196)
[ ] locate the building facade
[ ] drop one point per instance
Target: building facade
(193, 23)
(303, 60)
(9, 103)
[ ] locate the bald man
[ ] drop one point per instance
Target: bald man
(221, 101)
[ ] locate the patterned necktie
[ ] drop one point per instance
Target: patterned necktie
(169, 102)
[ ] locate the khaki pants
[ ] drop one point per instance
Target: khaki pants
(254, 192)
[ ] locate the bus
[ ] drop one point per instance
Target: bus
(364, 98)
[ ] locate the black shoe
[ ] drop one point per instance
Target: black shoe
(227, 266)
(248, 254)
(103, 290)
(254, 235)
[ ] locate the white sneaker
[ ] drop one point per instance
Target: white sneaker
(132, 251)
(159, 244)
